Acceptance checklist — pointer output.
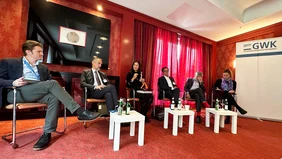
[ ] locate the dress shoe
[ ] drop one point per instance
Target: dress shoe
(198, 119)
(206, 104)
(43, 142)
(242, 111)
(87, 115)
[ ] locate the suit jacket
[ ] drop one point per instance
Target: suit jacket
(163, 86)
(189, 84)
(12, 69)
(87, 79)
(217, 84)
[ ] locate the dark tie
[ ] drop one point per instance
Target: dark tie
(97, 78)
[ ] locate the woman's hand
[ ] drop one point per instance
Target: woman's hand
(217, 89)
(134, 77)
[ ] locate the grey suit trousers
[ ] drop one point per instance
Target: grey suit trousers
(49, 92)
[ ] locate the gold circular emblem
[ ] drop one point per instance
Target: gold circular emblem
(73, 37)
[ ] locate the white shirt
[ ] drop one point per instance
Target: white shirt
(195, 85)
(95, 82)
(169, 82)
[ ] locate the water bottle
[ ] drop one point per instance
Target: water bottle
(172, 105)
(179, 105)
(127, 107)
(216, 104)
(120, 107)
(226, 105)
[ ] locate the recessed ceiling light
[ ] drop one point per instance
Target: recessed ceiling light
(100, 8)
(100, 47)
(103, 38)
(97, 52)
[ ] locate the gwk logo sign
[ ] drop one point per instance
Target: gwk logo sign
(266, 45)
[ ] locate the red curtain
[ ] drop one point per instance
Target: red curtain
(144, 48)
(156, 48)
(165, 55)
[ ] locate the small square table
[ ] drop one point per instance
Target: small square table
(178, 120)
(219, 119)
(116, 120)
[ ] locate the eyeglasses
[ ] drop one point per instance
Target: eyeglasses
(166, 71)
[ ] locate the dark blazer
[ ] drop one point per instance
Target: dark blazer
(217, 84)
(87, 79)
(12, 69)
(163, 86)
(189, 84)
(136, 84)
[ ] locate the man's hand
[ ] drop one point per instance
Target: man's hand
(188, 96)
(19, 82)
(100, 87)
(231, 91)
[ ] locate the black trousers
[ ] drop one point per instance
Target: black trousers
(173, 93)
(109, 93)
(145, 102)
(199, 97)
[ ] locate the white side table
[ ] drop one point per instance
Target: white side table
(114, 129)
(219, 119)
(178, 119)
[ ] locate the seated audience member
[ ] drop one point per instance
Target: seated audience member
(168, 85)
(195, 89)
(135, 81)
(98, 85)
(15, 72)
(224, 88)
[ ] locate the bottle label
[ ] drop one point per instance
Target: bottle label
(172, 106)
(127, 110)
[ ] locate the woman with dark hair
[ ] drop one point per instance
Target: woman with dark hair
(224, 88)
(135, 81)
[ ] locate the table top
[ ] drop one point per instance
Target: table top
(180, 112)
(133, 116)
(220, 111)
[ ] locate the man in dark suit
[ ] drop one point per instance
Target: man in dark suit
(195, 89)
(16, 72)
(168, 85)
(97, 84)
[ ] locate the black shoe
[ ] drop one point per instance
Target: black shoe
(147, 120)
(43, 142)
(198, 119)
(242, 111)
(227, 120)
(87, 115)
(124, 124)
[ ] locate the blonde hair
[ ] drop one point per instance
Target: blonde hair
(228, 71)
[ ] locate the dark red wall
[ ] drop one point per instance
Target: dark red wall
(13, 26)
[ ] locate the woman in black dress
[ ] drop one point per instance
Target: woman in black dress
(135, 81)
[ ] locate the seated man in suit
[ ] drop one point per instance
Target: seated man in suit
(194, 88)
(16, 72)
(97, 85)
(168, 85)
